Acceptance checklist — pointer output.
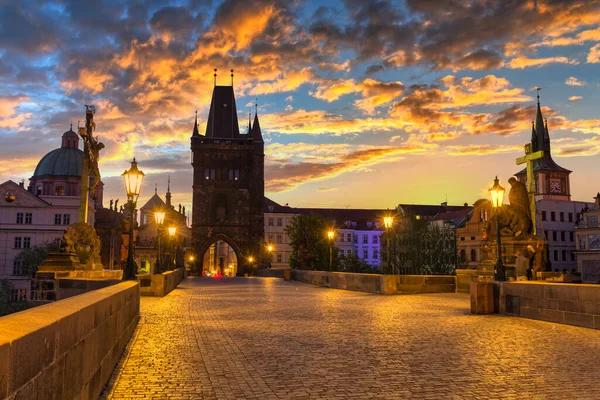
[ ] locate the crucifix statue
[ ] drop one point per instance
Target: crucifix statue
(91, 154)
(528, 160)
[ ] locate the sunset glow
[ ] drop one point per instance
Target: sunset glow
(362, 103)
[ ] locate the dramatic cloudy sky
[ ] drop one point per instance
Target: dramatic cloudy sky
(362, 103)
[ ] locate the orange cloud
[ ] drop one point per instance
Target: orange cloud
(481, 150)
(334, 91)
(282, 176)
(572, 81)
(575, 98)
(593, 56)
(9, 115)
(92, 80)
(523, 62)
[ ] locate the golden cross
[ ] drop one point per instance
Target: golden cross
(528, 159)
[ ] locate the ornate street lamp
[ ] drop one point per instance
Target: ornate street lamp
(172, 231)
(330, 236)
(133, 183)
(497, 195)
(159, 217)
(388, 222)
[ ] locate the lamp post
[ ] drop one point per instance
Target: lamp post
(387, 223)
(191, 258)
(172, 232)
(330, 236)
(497, 195)
(159, 217)
(133, 183)
(270, 249)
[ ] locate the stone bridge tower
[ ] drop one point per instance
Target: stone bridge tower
(228, 184)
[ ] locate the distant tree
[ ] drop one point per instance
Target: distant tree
(31, 258)
(310, 247)
(423, 248)
(352, 263)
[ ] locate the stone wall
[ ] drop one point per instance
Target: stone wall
(67, 349)
(376, 283)
(419, 284)
(563, 303)
(160, 284)
(271, 272)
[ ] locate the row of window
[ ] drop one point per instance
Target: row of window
(62, 219)
(561, 216)
(555, 236)
(59, 219)
(22, 242)
(564, 255)
(18, 295)
(271, 221)
(220, 175)
(24, 218)
(365, 238)
(462, 239)
(463, 255)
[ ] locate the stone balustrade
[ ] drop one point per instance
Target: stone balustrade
(563, 303)
(67, 349)
(160, 284)
(376, 283)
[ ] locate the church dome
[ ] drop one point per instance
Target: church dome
(60, 162)
(66, 161)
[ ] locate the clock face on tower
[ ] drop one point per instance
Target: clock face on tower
(555, 186)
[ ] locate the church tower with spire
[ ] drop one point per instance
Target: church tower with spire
(551, 180)
(228, 188)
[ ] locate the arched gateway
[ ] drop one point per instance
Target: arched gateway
(228, 188)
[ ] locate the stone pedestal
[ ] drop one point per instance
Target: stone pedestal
(482, 297)
(287, 275)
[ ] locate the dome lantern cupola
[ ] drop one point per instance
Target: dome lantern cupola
(70, 139)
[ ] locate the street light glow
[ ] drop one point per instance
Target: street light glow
(159, 217)
(270, 248)
(133, 180)
(250, 259)
(172, 231)
(497, 194)
(330, 235)
(388, 222)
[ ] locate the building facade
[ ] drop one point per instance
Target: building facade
(357, 231)
(173, 249)
(588, 243)
(556, 213)
(228, 184)
(41, 213)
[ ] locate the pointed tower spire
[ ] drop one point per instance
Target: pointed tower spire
(534, 143)
(168, 195)
(546, 135)
(539, 124)
(215, 75)
(256, 132)
(156, 188)
(195, 132)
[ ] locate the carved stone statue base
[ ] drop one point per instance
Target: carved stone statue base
(59, 261)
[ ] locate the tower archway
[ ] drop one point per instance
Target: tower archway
(220, 256)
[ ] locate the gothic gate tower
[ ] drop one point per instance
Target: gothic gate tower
(228, 184)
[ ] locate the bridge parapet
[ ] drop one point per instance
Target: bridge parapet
(69, 348)
(377, 283)
(160, 284)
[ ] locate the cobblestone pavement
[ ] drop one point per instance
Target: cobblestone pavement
(262, 338)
